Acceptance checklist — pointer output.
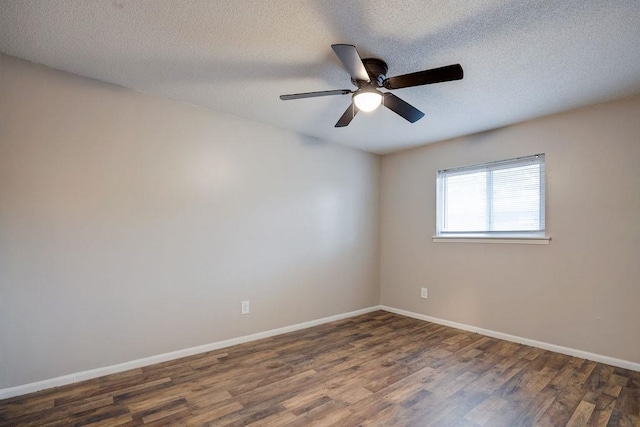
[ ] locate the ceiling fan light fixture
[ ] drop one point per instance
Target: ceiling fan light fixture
(369, 75)
(367, 99)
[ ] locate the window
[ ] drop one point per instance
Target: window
(501, 199)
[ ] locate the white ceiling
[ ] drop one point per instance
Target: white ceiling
(522, 58)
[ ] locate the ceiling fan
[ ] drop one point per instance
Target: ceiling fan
(369, 75)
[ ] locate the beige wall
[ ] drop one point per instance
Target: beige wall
(132, 226)
(583, 290)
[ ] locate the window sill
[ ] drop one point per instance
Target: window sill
(513, 239)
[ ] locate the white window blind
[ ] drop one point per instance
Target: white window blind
(494, 198)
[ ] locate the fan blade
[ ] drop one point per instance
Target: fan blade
(314, 94)
(402, 108)
(347, 116)
(349, 57)
(435, 75)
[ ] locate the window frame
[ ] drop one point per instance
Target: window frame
(489, 236)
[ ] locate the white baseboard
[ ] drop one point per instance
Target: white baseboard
(620, 363)
(121, 367)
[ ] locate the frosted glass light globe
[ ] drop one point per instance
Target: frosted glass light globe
(367, 100)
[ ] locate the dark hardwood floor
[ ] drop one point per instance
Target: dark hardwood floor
(378, 369)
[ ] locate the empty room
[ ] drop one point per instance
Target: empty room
(319, 213)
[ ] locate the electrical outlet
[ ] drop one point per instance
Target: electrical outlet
(244, 307)
(423, 293)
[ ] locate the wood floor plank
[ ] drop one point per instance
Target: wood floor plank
(212, 413)
(378, 369)
(483, 412)
(581, 415)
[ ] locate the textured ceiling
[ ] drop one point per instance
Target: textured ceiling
(522, 58)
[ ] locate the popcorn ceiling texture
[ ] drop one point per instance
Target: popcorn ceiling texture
(522, 59)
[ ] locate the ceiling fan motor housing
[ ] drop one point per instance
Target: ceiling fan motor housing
(377, 70)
